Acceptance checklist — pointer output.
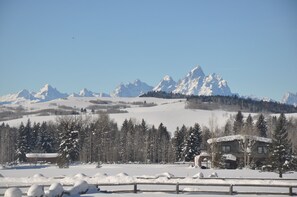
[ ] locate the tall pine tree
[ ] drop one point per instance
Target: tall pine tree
(261, 126)
(193, 143)
(280, 157)
(238, 123)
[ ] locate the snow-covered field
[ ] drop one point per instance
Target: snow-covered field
(171, 112)
(131, 173)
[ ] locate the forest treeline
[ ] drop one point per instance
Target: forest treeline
(229, 103)
(99, 139)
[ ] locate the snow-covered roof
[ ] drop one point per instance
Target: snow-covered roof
(42, 155)
(239, 137)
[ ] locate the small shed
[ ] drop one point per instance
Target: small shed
(42, 157)
(202, 160)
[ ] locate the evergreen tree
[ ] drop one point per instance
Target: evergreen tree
(22, 144)
(193, 143)
(248, 127)
(261, 126)
(205, 136)
(68, 129)
(45, 139)
(280, 148)
(238, 123)
(123, 141)
(228, 128)
(69, 147)
(178, 143)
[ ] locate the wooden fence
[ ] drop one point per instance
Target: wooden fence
(204, 188)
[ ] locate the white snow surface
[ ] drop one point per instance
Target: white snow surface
(239, 137)
(35, 191)
(129, 173)
(42, 155)
(13, 192)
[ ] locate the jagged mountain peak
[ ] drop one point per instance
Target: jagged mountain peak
(48, 93)
(196, 72)
(24, 94)
(167, 84)
(131, 89)
(86, 93)
(290, 98)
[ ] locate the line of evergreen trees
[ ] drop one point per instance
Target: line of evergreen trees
(100, 140)
(231, 103)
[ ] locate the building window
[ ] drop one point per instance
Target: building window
(226, 149)
(262, 149)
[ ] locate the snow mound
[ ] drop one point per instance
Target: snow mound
(38, 176)
(165, 174)
(1, 174)
(213, 175)
(79, 187)
(100, 175)
(122, 174)
(198, 175)
(80, 176)
(55, 190)
(13, 192)
(35, 191)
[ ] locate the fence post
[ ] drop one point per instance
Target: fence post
(135, 188)
(177, 188)
(231, 190)
(290, 191)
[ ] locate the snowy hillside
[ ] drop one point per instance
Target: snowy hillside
(170, 112)
(131, 89)
(290, 98)
(197, 83)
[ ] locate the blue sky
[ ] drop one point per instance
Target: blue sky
(98, 44)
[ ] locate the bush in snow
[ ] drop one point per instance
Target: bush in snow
(80, 176)
(199, 175)
(55, 190)
(165, 174)
(13, 192)
(35, 191)
(100, 175)
(79, 187)
(38, 176)
(213, 175)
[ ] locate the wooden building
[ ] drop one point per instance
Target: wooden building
(240, 150)
(42, 157)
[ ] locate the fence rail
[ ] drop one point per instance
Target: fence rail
(177, 188)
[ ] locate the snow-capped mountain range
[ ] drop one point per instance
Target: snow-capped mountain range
(194, 83)
(197, 83)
